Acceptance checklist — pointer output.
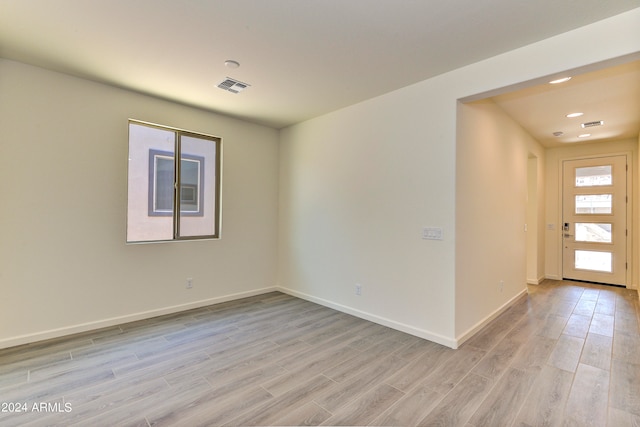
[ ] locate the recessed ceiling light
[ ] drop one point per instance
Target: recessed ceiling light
(562, 80)
(584, 135)
(230, 63)
(558, 133)
(574, 115)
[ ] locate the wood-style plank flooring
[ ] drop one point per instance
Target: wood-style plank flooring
(568, 354)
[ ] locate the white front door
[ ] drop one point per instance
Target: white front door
(594, 220)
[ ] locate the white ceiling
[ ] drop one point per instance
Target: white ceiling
(610, 94)
(302, 58)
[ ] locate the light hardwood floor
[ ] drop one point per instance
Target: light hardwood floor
(568, 354)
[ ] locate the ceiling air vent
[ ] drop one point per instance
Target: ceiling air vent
(592, 124)
(232, 85)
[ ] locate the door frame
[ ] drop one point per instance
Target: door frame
(630, 200)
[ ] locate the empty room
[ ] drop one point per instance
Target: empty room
(383, 212)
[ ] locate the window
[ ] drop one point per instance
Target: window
(173, 184)
(592, 176)
(594, 261)
(593, 232)
(594, 204)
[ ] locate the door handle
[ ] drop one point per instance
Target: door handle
(568, 235)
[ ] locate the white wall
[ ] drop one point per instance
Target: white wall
(535, 220)
(553, 194)
(357, 186)
(492, 170)
(65, 266)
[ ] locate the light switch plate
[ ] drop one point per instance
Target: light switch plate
(432, 233)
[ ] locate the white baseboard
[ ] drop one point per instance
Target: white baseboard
(474, 329)
(104, 323)
(535, 281)
(421, 333)
(113, 321)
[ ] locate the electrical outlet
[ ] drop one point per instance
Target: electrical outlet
(501, 285)
(358, 289)
(189, 283)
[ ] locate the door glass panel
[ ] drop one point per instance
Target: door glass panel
(593, 260)
(593, 232)
(594, 203)
(593, 176)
